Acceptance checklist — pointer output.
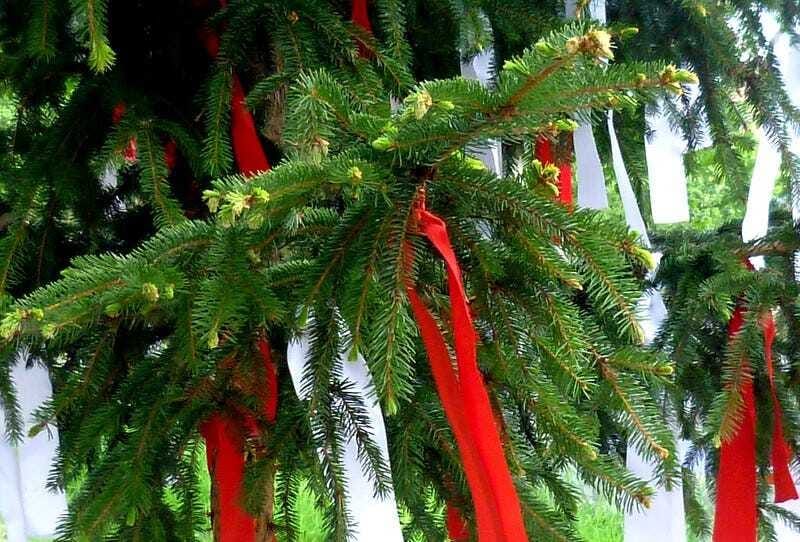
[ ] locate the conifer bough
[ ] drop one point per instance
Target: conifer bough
(137, 294)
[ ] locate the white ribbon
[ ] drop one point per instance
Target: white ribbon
(27, 507)
(478, 68)
(665, 519)
(375, 518)
(762, 185)
(669, 199)
(589, 170)
(633, 216)
(789, 63)
(768, 158)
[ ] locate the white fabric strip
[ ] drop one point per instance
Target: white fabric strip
(589, 170)
(669, 198)
(375, 518)
(591, 179)
(479, 68)
(28, 508)
(665, 520)
(789, 62)
(762, 185)
(633, 215)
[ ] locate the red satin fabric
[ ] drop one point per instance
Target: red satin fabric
(171, 154)
(457, 529)
(785, 489)
(247, 147)
(487, 519)
(233, 523)
(360, 17)
(466, 401)
(544, 153)
(129, 153)
(225, 458)
(735, 516)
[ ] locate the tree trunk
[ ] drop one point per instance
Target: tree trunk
(265, 524)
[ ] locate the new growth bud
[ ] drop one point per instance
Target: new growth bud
(596, 43)
(355, 174)
(212, 198)
(383, 143)
(150, 292)
(544, 48)
(671, 78)
(628, 32)
(422, 102)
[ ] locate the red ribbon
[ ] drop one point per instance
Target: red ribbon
(736, 513)
(735, 517)
(544, 153)
(457, 529)
(247, 147)
(785, 489)
(446, 384)
(130, 151)
(226, 461)
(465, 399)
(225, 455)
(226, 444)
(360, 17)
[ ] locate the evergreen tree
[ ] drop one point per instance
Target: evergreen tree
(704, 280)
(146, 296)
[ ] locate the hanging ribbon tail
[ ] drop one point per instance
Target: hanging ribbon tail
(735, 516)
(544, 153)
(591, 178)
(762, 184)
(630, 205)
(457, 529)
(669, 197)
(360, 17)
(246, 145)
(225, 458)
(785, 489)
(224, 436)
(28, 508)
(475, 396)
(486, 514)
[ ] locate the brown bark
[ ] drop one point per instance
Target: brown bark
(215, 509)
(265, 523)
